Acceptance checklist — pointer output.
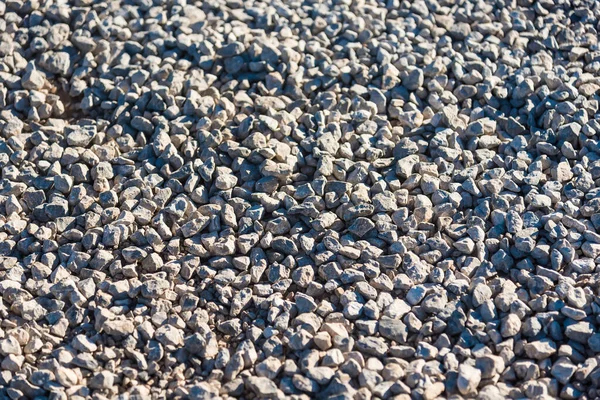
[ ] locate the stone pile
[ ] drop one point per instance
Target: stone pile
(299, 199)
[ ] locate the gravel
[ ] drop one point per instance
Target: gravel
(333, 200)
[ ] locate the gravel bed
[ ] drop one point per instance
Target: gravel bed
(333, 199)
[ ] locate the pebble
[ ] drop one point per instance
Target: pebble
(468, 379)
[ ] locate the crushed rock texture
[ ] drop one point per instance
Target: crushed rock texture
(332, 199)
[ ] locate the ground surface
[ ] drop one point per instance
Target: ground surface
(299, 199)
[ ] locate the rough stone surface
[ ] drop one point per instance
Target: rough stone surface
(299, 199)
